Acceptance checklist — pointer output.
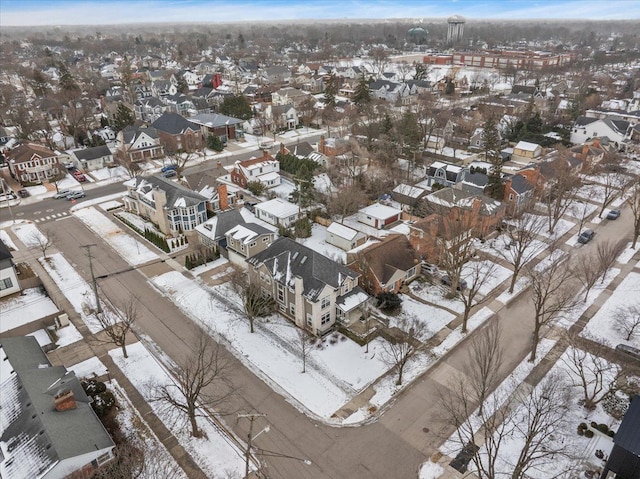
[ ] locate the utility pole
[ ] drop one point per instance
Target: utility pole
(93, 278)
(247, 455)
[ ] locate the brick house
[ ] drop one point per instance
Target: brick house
(176, 133)
(265, 169)
(518, 194)
(224, 127)
(33, 163)
(136, 144)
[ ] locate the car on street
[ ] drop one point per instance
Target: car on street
(446, 280)
(613, 215)
(61, 194)
(24, 193)
(586, 236)
(75, 195)
(169, 168)
(169, 173)
(629, 351)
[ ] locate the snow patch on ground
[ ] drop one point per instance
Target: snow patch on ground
(31, 305)
(67, 335)
(627, 254)
(429, 470)
(29, 234)
(4, 237)
(89, 369)
(317, 243)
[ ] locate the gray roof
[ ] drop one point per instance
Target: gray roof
(520, 185)
(92, 153)
(214, 120)
(173, 124)
(301, 149)
(4, 251)
(173, 190)
(619, 126)
(627, 436)
(37, 436)
(131, 132)
(583, 121)
(150, 101)
(286, 259)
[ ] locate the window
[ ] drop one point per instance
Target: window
(326, 317)
(5, 283)
(326, 301)
(252, 244)
(411, 273)
(265, 239)
(511, 197)
(309, 320)
(280, 293)
(292, 309)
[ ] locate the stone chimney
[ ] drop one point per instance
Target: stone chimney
(222, 197)
(65, 401)
(321, 145)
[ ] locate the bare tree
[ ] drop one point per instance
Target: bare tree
(551, 296)
(123, 159)
(485, 359)
(304, 346)
(523, 245)
(597, 376)
(633, 200)
(559, 192)
(475, 275)
(116, 327)
(406, 343)
(346, 200)
(201, 381)
(587, 269)
(628, 321)
(43, 240)
(254, 303)
(612, 183)
(580, 210)
(456, 247)
(379, 61)
(607, 254)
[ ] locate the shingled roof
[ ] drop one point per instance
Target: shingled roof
(394, 253)
(174, 124)
(177, 195)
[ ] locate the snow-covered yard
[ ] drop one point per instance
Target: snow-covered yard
(317, 243)
(29, 234)
(67, 335)
(131, 250)
(434, 293)
(110, 175)
(563, 227)
(89, 368)
(434, 318)
(602, 326)
(337, 369)
(214, 453)
(31, 305)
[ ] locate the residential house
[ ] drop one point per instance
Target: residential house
(180, 104)
(224, 127)
(278, 212)
(624, 459)
(169, 205)
(49, 429)
(386, 265)
(446, 174)
(33, 163)
(265, 169)
(9, 283)
(309, 288)
(92, 158)
(518, 194)
(589, 154)
(220, 196)
(282, 117)
(246, 240)
(163, 88)
(379, 216)
(525, 152)
(176, 133)
(408, 195)
(585, 129)
(135, 144)
(274, 75)
(289, 96)
(389, 91)
(344, 237)
(149, 109)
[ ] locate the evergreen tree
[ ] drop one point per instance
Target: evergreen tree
(330, 91)
(491, 145)
(450, 87)
(66, 81)
(387, 124)
(411, 135)
(236, 106)
(362, 96)
(123, 117)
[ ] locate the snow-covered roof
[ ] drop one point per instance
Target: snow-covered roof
(269, 176)
(278, 207)
(410, 191)
(379, 211)
(242, 233)
(342, 231)
(352, 299)
(526, 146)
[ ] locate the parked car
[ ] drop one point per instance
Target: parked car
(462, 284)
(78, 175)
(629, 351)
(169, 168)
(429, 268)
(250, 205)
(169, 173)
(24, 193)
(613, 215)
(75, 195)
(586, 236)
(61, 194)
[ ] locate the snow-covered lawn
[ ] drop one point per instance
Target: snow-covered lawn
(138, 432)
(602, 326)
(110, 205)
(498, 274)
(317, 243)
(110, 175)
(214, 452)
(592, 192)
(429, 470)
(67, 335)
(37, 190)
(198, 270)
(561, 229)
(627, 254)
(582, 209)
(136, 220)
(434, 318)
(25, 308)
(75, 289)
(334, 374)
(455, 336)
(284, 189)
(29, 234)
(6, 239)
(89, 368)
(498, 247)
(434, 293)
(131, 250)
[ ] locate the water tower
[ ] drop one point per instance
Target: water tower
(456, 29)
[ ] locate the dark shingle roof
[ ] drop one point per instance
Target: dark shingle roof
(520, 185)
(583, 121)
(286, 259)
(390, 255)
(92, 153)
(173, 124)
(627, 436)
(4, 251)
(173, 190)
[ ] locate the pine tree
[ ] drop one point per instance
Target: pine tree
(491, 145)
(362, 96)
(66, 81)
(123, 117)
(330, 91)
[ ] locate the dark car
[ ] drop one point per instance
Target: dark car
(613, 215)
(586, 236)
(169, 173)
(24, 193)
(629, 351)
(462, 284)
(169, 168)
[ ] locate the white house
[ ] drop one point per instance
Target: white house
(526, 151)
(264, 169)
(8, 279)
(93, 158)
(378, 215)
(586, 128)
(277, 212)
(344, 237)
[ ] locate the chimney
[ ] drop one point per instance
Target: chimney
(222, 197)
(596, 142)
(65, 401)
(321, 145)
(282, 148)
(265, 154)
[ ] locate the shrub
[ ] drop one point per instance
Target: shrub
(600, 454)
(215, 143)
(389, 302)
(603, 428)
(610, 433)
(594, 424)
(580, 431)
(588, 433)
(302, 228)
(256, 188)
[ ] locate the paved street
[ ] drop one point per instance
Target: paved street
(407, 432)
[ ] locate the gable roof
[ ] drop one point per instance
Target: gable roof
(214, 120)
(627, 436)
(584, 121)
(390, 255)
(520, 185)
(301, 149)
(278, 207)
(527, 146)
(451, 170)
(342, 231)
(174, 124)
(4, 251)
(285, 259)
(92, 153)
(453, 197)
(177, 195)
(26, 151)
(131, 133)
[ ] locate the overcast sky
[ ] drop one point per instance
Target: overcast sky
(100, 12)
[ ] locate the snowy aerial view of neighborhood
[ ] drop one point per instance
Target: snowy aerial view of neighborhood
(248, 240)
